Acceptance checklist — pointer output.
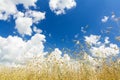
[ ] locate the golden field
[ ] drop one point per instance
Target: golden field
(55, 72)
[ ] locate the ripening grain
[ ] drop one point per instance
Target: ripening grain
(57, 72)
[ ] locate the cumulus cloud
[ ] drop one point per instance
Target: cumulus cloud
(8, 8)
(19, 14)
(105, 19)
(101, 50)
(105, 51)
(35, 15)
(59, 6)
(23, 25)
(24, 20)
(14, 50)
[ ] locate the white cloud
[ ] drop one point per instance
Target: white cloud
(23, 25)
(8, 7)
(25, 3)
(14, 50)
(59, 6)
(105, 19)
(19, 14)
(36, 30)
(23, 20)
(35, 15)
(105, 51)
(102, 50)
(3, 16)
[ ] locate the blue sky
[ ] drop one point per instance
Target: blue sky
(66, 26)
(85, 13)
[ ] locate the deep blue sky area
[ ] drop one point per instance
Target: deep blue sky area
(63, 28)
